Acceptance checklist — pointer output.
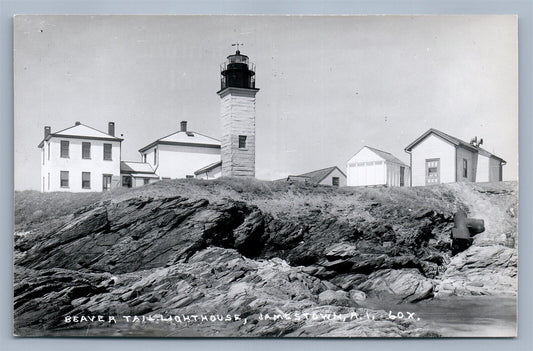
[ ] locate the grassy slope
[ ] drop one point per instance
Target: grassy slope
(279, 198)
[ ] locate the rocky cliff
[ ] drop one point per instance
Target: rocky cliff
(266, 257)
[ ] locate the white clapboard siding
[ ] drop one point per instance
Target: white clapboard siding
(53, 164)
(433, 147)
(367, 167)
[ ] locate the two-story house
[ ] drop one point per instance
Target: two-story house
(80, 159)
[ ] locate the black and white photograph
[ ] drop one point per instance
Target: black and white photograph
(317, 176)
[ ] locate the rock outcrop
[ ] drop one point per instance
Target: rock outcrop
(212, 248)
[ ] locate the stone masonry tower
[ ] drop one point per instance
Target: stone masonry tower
(237, 114)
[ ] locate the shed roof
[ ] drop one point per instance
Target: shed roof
(208, 167)
(387, 156)
(317, 176)
(132, 167)
(187, 138)
(455, 141)
(82, 131)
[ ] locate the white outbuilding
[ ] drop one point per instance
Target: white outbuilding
(332, 176)
(370, 166)
(135, 174)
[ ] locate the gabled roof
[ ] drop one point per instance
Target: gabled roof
(387, 156)
(208, 167)
(81, 131)
(453, 140)
(136, 167)
(317, 176)
(187, 138)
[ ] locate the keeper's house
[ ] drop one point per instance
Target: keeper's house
(181, 154)
(80, 159)
(437, 157)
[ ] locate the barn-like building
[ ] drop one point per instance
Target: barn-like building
(437, 157)
(371, 166)
(332, 176)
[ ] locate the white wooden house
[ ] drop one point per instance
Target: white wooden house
(437, 157)
(80, 159)
(181, 154)
(370, 166)
(332, 176)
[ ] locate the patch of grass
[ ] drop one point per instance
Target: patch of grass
(33, 206)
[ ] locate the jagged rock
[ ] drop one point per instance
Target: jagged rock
(342, 250)
(339, 298)
(358, 296)
(481, 270)
(186, 247)
(405, 284)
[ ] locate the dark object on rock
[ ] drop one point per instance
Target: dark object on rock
(463, 231)
(459, 245)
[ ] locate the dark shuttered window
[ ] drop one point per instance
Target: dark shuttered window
(242, 141)
(108, 152)
(86, 180)
(86, 150)
(64, 148)
(64, 179)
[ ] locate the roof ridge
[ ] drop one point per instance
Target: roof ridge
(373, 148)
(85, 125)
(318, 170)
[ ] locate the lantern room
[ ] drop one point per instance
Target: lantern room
(237, 71)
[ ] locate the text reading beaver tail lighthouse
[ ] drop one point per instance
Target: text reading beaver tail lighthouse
(237, 114)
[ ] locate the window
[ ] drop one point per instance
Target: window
(85, 180)
(64, 179)
(64, 148)
(49, 151)
(432, 171)
(465, 168)
(146, 181)
(106, 182)
(48, 180)
(188, 176)
(155, 156)
(126, 181)
(86, 150)
(335, 181)
(108, 153)
(242, 141)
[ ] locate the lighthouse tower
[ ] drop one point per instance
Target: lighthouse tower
(237, 114)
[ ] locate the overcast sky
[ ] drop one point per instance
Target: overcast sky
(329, 85)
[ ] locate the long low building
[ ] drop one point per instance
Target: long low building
(332, 176)
(135, 174)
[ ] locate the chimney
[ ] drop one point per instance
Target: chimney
(183, 126)
(47, 131)
(77, 123)
(111, 128)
